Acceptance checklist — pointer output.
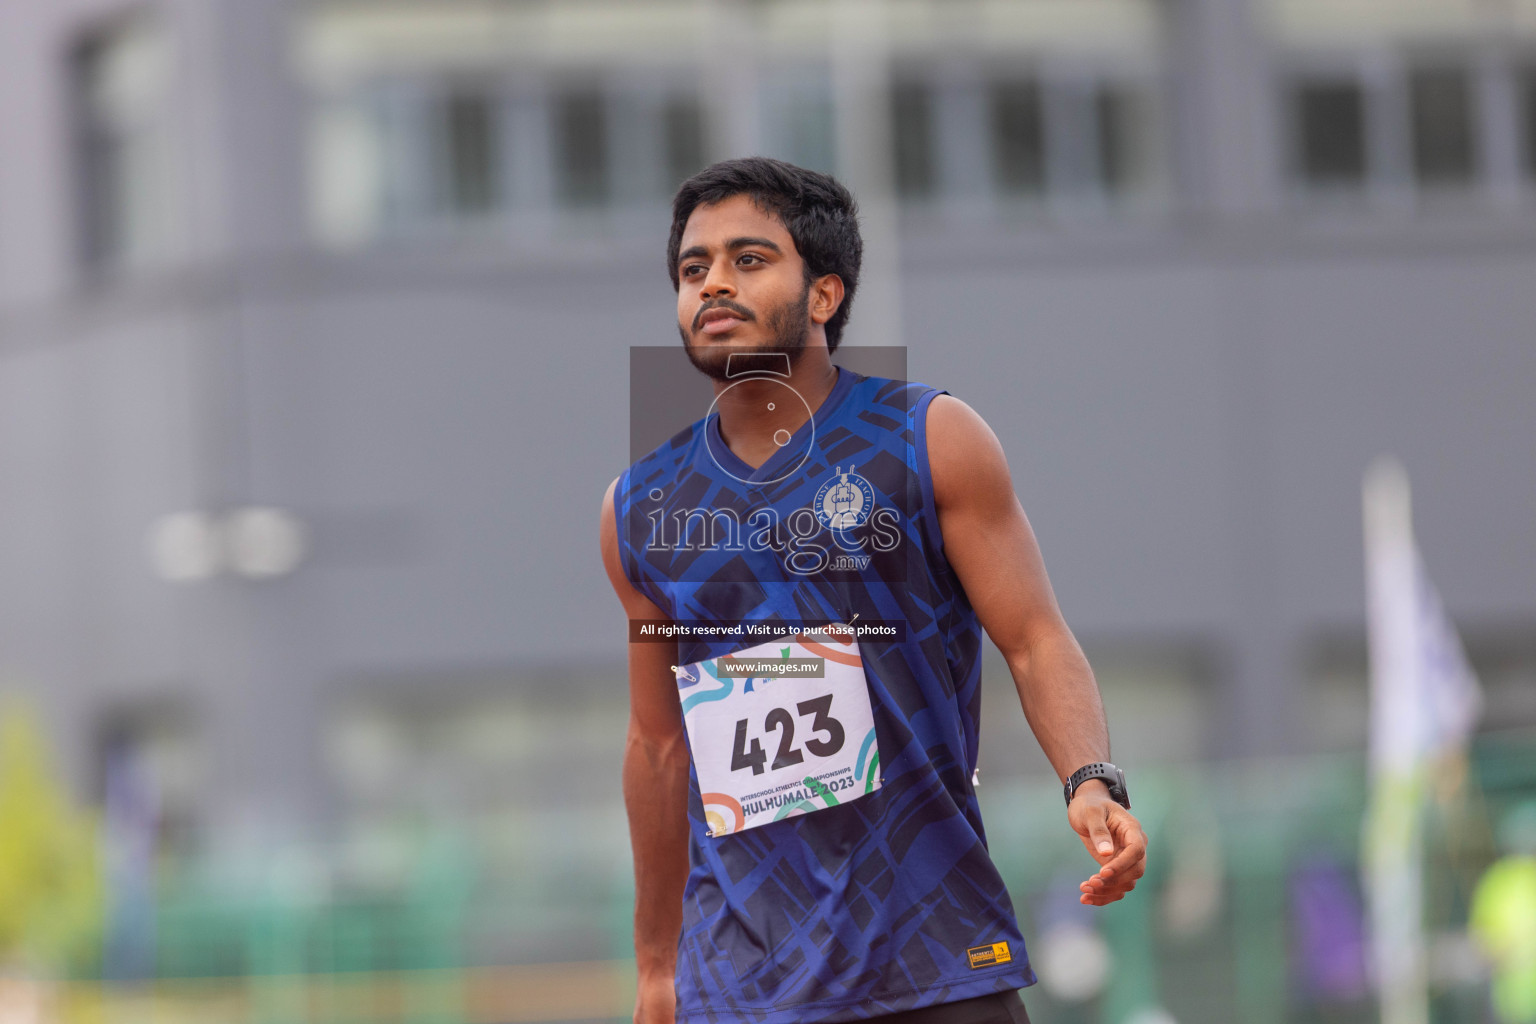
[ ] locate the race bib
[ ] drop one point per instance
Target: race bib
(780, 729)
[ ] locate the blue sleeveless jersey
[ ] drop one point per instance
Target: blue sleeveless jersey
(890, 901)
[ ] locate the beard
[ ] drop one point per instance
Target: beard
(788, 323)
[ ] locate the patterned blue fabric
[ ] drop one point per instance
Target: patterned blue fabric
(868, 907)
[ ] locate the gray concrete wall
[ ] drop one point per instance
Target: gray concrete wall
(1187, 407)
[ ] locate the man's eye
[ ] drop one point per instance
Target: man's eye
(751, 256)
(690, 269)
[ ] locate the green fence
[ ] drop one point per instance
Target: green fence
(1217, 932)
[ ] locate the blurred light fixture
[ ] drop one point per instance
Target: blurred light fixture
(184, 547)
(263, 542)
(255, 542)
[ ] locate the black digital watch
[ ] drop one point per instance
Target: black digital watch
(1099, 770)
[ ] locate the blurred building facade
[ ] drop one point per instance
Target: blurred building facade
(315, 321)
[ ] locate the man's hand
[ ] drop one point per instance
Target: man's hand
(655, 1000)
(1114, 838)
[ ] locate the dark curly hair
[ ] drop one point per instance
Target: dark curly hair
(815, 208)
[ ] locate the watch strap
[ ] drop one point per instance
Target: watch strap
(1112, 775)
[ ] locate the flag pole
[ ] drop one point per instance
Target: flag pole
(1392, 854)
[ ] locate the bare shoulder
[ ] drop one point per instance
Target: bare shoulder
(607, 530)
(964, 455)
(608, 539)
(636, 604)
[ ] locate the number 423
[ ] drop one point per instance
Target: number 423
(745, 755)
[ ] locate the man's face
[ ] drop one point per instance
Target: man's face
(741, 286)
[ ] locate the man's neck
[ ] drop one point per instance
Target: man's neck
(759, 414)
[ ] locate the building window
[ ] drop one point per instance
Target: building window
(798, 117)
(1528, 119)
(1441, 109)
(396, 154)
(581, 149)
(1020, 104)
(683, 128)
(121, 84)
(1017, 126)
(912, 139)
(1117, 117)
(1093, 138)
(468, 164)
(1329, 118)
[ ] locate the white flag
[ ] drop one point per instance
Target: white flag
(1450, 698)
(1424, 705)
(1425, 700)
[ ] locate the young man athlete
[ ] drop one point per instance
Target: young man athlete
(849, 879)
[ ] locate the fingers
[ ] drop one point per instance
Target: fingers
(1099, 890)
(1119, 874)
(1102, 894)
(1131, 842)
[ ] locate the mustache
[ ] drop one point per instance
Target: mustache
(734, 307)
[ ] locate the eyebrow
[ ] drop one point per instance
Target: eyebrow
(746, 241)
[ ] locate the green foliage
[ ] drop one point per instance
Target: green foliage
(50, 879)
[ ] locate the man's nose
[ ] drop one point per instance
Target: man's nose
(718, 282)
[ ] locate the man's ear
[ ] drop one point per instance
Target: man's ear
(826, 295)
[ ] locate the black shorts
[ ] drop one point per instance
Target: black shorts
(997, 1008)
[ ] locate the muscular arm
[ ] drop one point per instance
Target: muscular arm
(991, 547)
(655, 793)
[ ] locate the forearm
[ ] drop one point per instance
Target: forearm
(1061, 701)
(656, 799)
